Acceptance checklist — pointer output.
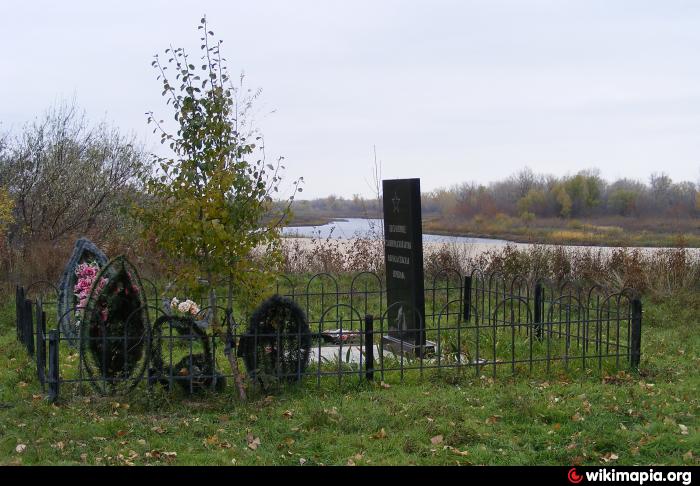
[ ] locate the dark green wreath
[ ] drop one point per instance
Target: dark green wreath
(277, 344)
(114, 330)
(194, 372)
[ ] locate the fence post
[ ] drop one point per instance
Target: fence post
(539, 291)
(53, 365)
(636, 331)
(467, 298)
(28, 327)
(41, 344)
(369, 347)
(19, 307)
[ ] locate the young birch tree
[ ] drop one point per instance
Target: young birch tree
(210, 205)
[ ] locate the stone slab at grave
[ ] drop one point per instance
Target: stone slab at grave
(84, 251)
(403, 257)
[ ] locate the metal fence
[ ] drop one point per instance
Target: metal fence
(483, 324)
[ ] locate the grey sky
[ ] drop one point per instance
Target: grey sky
(447, 91)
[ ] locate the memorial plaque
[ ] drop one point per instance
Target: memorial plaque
(403, 257)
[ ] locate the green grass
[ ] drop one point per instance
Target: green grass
(563, 418)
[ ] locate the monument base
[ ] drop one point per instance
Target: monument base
(408, 348)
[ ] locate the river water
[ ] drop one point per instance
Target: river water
(344, 231)
(352, 228)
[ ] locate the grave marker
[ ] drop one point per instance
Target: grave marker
(403, 257)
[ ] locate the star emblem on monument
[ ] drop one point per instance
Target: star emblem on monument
(395, 200)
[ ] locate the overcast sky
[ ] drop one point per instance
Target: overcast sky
(448, 91)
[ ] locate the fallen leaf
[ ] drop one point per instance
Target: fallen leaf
(577, 417)
(302, 461)
(350, 462)
(587, 406)
(287, 414)
(20, 448)
(609, 456)
(169, 455)
(253, 442)
(688, 456)
(684, 429)
(436, 440)
(493, 419)
(456, 451)
(380, 435)
(385, 385)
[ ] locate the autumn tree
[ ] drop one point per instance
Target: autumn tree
(210, 201)
(68, 176)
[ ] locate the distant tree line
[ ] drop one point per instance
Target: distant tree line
(585, 194)
(528, 195)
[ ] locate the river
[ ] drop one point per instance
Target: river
(352, 228)
(346, 230)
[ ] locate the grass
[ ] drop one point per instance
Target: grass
(648, 417)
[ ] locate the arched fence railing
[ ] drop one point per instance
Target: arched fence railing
(479, 324)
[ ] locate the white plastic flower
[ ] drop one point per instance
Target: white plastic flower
(184, 307)
(174, 303)
(194, 308)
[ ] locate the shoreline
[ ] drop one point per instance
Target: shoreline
(655, 241)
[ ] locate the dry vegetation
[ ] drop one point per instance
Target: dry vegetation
(657, 272)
